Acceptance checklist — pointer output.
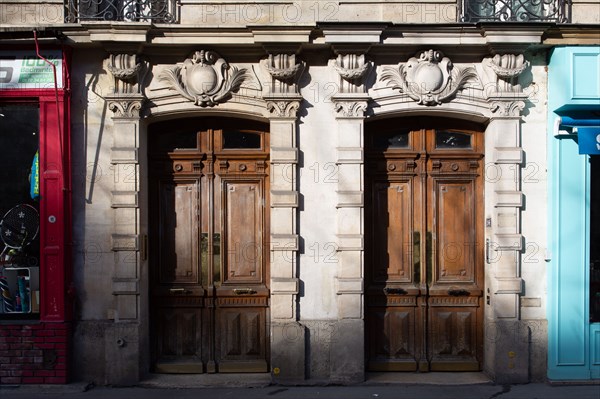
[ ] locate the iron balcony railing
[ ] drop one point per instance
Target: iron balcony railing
(167, 11)
(160, 11)
(558, 11)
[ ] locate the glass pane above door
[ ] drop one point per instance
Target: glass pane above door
(445, 140)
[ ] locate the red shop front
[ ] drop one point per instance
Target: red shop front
(35, 195)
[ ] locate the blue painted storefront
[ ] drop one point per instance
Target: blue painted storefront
(573, 92)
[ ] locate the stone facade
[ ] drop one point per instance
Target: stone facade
(318, 77)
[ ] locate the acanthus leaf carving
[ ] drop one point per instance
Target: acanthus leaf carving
(205, 78)
(350, 108)
(429, 79)
(124, 107)
(507, 108)
(283, 108)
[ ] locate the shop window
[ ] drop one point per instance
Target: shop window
(595, 239)
(19, 210)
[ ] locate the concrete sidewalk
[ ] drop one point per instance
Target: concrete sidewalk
(364, 391)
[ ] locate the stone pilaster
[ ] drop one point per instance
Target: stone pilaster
(506, 241)
(287, 335)
(509, 351)
(127, 244)
(350, 105)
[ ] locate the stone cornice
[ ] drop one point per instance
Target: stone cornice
(378, 34)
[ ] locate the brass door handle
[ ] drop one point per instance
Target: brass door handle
(394, 291)
(458, 292)
(243, 291)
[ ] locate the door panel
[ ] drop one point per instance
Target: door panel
(453, 336)
(180, 348)
(393, 336)
(393, 207)
(244, 231)
(424, 273)
(178, 223)
(454, 231)
(242, 346)
(209, 275)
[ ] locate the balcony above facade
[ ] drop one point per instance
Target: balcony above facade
(168, 11)
(558, 11)
(199, 14)
(157, 11)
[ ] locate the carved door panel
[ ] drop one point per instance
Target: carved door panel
(208, 226)
(424, 255)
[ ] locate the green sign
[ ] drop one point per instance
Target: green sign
(25, 70)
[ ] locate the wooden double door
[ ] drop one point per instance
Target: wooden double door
(208, 235)
(424, 254)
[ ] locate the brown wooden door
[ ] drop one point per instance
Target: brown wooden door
(208, 225)
(424, 270)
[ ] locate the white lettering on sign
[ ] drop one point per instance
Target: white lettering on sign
(598, 142)
(24, 70)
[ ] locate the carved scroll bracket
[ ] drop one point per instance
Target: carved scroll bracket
(128, 71)
(352, 70)
(503, 71)
(285, 73)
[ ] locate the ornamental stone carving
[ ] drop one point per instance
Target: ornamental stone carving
(127, 107)
(506, 107)
(205, 78)
(350, 109)
(126, 70)
(285, 72)
(430, 78)
(283, 109)
(352, 70)
(504, 70)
